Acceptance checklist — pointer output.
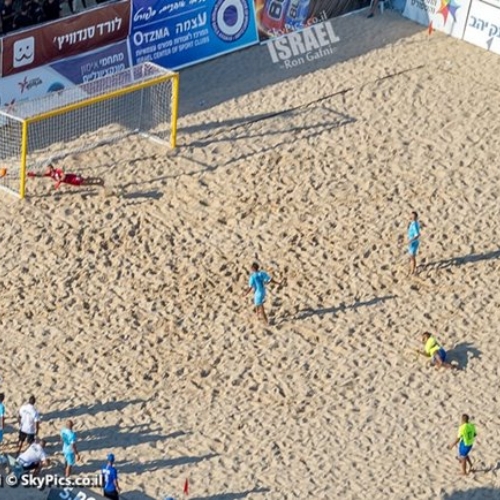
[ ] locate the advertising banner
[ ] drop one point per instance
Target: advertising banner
(176, 34)
(29, 85)
(69, 36)
(483, 25)
(65, 74)
(278, 17)
(73, 494)
(96, 64)
(448, 16)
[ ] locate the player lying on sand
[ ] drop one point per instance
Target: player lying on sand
(58, 175)
(434, 351)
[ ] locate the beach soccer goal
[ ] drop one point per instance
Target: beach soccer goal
(143, 99)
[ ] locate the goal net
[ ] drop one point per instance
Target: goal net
(142, 99)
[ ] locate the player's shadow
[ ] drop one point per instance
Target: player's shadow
(94, 409)
(463, 352)
(240, 495)
(116, 435)
(478, 493)
(137, 495)
(326, 311)
(460, 261)
(233, 495)
(148, 195)
(93, 466)
(85, 192)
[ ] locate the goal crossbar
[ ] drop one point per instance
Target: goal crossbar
(140, 81)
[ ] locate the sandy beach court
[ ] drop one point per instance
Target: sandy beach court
(125, 313)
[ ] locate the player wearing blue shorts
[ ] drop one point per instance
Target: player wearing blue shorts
(2, 418)
(257, 282)
(434, 350)
(465, 440)
(70, 452)
(413, 233)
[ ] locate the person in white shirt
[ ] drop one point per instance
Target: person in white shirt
(29, 423)
(34, 457)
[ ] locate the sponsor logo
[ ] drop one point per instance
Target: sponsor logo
(448, 7)
(56, 87)
(146, 13)
(300, 47)
(24, 52)
(10, 105)
(26, 84)
(230, 19)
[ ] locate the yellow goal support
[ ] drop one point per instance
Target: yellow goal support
(143, 99)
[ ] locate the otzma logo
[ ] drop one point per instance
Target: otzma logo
(311, 43)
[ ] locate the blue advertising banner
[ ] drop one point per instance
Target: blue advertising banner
(96, 64)
(176, 34)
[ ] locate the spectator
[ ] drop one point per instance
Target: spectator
(36, 11)
(29, 420)
(7, 14)
(51, 9)
(23, 19)
(71, 4)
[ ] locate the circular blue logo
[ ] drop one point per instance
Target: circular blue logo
(56, 87)
(230, 19)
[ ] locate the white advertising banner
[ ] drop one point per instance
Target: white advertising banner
(483, 25)
(448, 16)
(29, 85)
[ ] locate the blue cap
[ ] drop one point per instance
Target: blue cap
(111, 457)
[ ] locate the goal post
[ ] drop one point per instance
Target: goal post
(143, 99)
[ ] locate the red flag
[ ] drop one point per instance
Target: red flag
(431, 28)
(186, 487)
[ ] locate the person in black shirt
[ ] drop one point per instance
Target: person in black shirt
(36, 11)
(23, 19)
(51, 9)
(7, 14)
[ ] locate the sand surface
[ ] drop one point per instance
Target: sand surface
(125, 313)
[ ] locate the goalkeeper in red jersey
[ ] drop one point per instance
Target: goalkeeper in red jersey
(61, 177)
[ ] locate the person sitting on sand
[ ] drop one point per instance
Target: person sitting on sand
(465, 440)
(434, 351)
(61, 177)
(34, 457)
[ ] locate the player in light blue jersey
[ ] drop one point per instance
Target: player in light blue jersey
(257, 282)
(70, 452)
(413, 233)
